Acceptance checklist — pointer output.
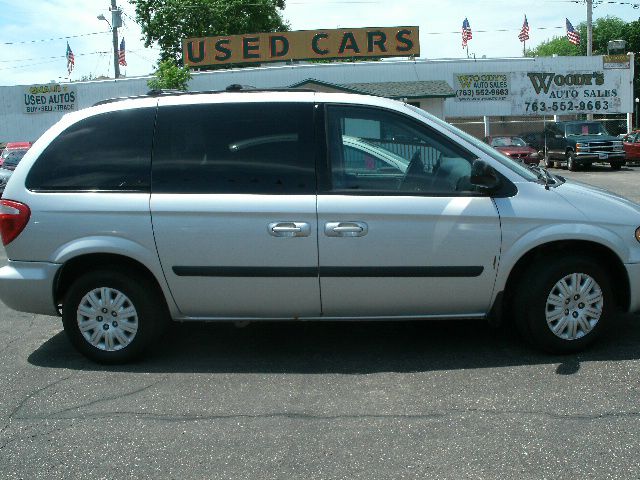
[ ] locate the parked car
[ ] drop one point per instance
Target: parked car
(514, 147)
(13, 147)
(253, 209)
(10, 162)
(631, 145)
(580, 143)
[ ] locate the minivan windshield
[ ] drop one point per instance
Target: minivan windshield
(516, 167)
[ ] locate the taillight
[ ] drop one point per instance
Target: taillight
(13, 218)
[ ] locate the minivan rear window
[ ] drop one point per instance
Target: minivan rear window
(106, 152)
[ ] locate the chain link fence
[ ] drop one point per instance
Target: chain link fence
(530, 128)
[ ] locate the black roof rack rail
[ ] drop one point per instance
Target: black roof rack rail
(233, 88)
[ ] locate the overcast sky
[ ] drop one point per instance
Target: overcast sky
(32, 50)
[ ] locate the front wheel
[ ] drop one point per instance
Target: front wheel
(565, 304)
(616, 166)
(112, 316)
(572, 165)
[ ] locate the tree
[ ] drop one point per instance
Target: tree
(170, 76)
(168, 22)
(556, 46)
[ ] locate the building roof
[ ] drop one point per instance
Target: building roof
(396, 90)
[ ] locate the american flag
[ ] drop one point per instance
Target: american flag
(572, 34)
(121, 59)
(71, 59)
(524, 32)
(466, 32)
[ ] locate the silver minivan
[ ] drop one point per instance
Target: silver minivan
(266, 205)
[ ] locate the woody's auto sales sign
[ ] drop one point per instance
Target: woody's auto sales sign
(554, 93)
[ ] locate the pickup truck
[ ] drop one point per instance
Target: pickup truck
(579, 144)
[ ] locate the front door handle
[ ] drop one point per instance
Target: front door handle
(289, 229)
(345, 229)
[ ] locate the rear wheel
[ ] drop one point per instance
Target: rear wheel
(112, 316)
(565, 304)
(548, 162)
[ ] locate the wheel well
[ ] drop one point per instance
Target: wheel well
(605, 257)
(77, 266)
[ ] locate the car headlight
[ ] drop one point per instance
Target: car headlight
(638, 234)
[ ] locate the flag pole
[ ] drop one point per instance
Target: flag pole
(524, 48)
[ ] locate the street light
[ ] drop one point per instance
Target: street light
(102, 17)
(637, 101)
(113, 26)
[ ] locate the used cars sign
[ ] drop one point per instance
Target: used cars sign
(300, 45)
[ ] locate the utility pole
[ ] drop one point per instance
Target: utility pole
(116, 21)
(589, 37)
(589, 27)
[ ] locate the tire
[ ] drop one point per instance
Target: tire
(571, 162)
(122, 330)
(616, 166)
(541, 303)
(548, 162)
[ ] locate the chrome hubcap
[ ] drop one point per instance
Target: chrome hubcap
(107, 319)
(574, 306)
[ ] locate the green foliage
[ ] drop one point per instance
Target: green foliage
(556, 46)
(170, 76)
(168, 22)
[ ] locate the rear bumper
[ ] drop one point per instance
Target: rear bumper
(28, 286)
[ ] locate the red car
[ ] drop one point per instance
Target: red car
(514, 147)
(631, 145)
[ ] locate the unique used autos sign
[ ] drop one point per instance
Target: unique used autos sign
(562, 93)
(50, 98)
(301, 45)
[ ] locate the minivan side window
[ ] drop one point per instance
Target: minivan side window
(375, 150)
(259, 148)
(106, 152)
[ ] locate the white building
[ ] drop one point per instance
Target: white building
(450, 89)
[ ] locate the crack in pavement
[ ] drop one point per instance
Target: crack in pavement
(307, 416)
(22, 402)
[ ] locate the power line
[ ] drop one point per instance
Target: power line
(52, 39)
(54, 56)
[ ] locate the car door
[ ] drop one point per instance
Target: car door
(234, 208)
(419, 243)
(554, 143)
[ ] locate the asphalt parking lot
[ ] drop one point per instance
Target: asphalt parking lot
(324, 401)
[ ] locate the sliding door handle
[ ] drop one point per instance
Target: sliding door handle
(289, 229)
(345, 229)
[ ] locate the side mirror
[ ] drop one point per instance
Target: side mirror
(484, 176)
